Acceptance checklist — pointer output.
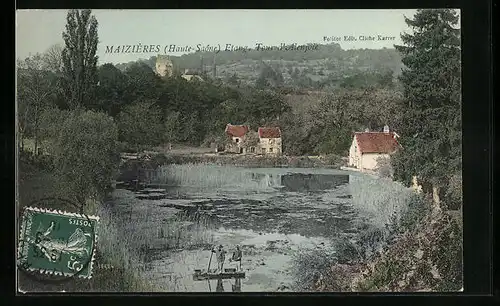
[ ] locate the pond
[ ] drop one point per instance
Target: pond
(270, 212)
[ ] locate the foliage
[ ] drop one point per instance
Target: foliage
(324, 123)
(427, 258)
(269, 76)
(251, 140)
(418, 207)
(141, 123)
(85, 153)
(35, 94)
(79, 58)
(384, 167)
(111, 90)
(430, 124)
(454, 193)
(52, 58)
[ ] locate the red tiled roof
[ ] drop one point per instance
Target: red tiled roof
(236, 130)
(269, 132)
(376, 142)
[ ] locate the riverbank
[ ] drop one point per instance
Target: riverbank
(151, 159)
(110, 274)
(419, 251)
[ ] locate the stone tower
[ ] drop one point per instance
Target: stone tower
(164, 66)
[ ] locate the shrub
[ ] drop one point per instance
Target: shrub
(418, 207)
(85, 153)
(454, 193)
(384, 167)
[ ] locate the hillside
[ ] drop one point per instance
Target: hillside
(327, 65)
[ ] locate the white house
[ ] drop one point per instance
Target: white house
(368, 147)
(270, 140)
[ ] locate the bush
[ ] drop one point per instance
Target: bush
(384, 167)
(318, 265)
(85, 153)
(454, 193)
(418, 207)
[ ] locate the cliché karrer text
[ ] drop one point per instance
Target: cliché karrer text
(359, 38)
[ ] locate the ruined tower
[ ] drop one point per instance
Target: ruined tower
(164, 66)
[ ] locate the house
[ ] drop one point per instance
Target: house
(269, 140)
(237, 134)
(367, 147)
(191, 75)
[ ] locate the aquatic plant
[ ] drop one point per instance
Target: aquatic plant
(211, 176)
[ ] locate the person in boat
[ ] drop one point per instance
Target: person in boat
(237, 256)
(220, 254)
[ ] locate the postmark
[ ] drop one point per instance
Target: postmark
(56, 243)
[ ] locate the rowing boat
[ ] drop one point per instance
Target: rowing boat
(227, 274)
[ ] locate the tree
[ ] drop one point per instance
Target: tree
(171, 127)
(251, 140)
(79, 58)
(430, 125)
(86, 154)
(53, 58)
(261, 82)
(34, 91)
(143, 83)
(233, 80)
(141, 124)
(111, 90)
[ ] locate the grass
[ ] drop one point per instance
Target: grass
(36, 182)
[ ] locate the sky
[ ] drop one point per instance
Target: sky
(37, 30)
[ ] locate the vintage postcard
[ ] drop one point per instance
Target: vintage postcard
(239, 150)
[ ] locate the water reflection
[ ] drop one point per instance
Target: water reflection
(313, 182)
(298, 182)
(236, 287)
(220, 286)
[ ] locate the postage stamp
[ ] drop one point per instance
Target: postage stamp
(55, 242)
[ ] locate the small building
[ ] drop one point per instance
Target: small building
(190, 75)
(269, 140)
(237, 134)
(368, 147)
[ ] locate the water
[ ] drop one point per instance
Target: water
(270, 212)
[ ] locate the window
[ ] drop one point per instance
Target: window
(237, 140)
(270, 150)
(252, 150)
(263, 150)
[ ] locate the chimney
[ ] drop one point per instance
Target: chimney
(386, 129)
(186, 71)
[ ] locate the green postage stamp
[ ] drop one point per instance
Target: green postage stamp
(57, 243)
